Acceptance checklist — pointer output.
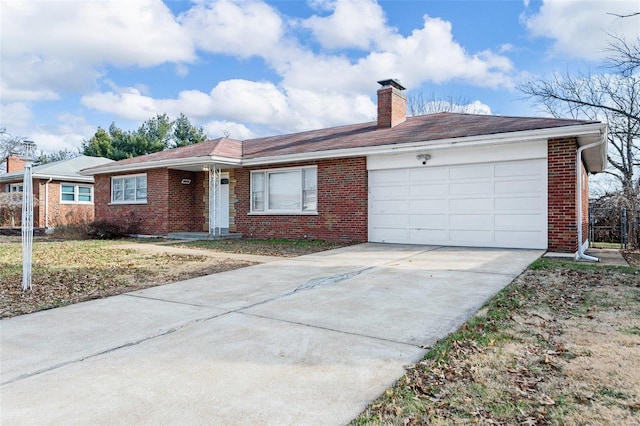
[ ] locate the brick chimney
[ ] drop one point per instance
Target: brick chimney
(392, 104)
(14, 163)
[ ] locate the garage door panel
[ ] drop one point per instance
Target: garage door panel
(471, 188)
(393, 206)
(470, 204)
(470, 221)
(428, 174)
(390, 192)
(386, 177)
(518, 203)
(517, 221)
(483, 205)
(395, 221)
(520, 238)
(428, 191)
(461, 236)
(521, 168)
(473, 171)
(391, 235)
(518, 186)
(436, 236)
(428, 206)
(429, 221)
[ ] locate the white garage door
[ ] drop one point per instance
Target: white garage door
(500, 204)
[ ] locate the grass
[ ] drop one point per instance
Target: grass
(544, 350)
(273, 247)
(554, 263)
(71, 271)
(66, 272)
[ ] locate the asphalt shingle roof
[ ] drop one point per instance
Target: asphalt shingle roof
(432, 127)
(67, 169)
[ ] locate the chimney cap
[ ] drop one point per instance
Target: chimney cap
(393, 83)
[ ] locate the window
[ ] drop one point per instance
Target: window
(75, 193)
(129, 189)
(14, 187)
(292, 190)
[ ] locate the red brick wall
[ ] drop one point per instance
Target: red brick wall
(60, 214)
(186, 201)
(342, 205)
(563, 226)
(153, 216)
(200, 184)
(171, 206)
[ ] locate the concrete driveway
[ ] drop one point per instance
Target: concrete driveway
(304, 341)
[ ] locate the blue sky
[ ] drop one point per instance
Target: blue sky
(256, 68)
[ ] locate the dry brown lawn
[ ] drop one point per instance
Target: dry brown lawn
(559, 346)
(72, 271)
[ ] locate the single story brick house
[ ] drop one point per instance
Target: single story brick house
(444, 179)
(62, 195)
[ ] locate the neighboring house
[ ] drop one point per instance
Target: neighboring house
(445, 179)
(62, 195)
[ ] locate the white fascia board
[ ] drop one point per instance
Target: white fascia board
(88, 179)
(580, 131)
(44, 176)
(115, 168)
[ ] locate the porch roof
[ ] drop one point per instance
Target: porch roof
(222, 151)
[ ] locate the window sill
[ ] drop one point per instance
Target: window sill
(125, 203)
(282, 214)
(80, 203)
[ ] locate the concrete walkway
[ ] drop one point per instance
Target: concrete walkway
(608, 256)
(302, 341)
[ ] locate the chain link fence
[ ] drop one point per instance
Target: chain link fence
(613, 225)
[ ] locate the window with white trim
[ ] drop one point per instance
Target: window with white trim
(290, 190)
(15, 187)
(76, 193)
(129, 189)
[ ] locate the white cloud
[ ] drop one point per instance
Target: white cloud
(238, 29)
(70, 46)
(58, 46)
(580, 29)
(428, 54)
(28, 95)
(241, 101)
(216, 129)
(353, 24)
(15, 115)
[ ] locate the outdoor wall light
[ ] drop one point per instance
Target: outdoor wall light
(423, 158)
(186, 181)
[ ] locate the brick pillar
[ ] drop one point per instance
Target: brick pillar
(563, 196)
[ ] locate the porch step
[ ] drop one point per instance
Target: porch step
(194, 236)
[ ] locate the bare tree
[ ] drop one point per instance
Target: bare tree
(420, 103)
(8, 145)
(612, 97)
(625, 56)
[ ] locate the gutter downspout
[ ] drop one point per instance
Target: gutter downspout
(46, 203)
(581, 253)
